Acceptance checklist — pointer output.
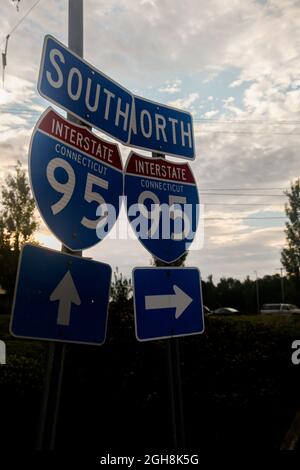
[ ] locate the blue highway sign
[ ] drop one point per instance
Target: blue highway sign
(76, 179)
(167, 302)
(162, 129)
(162, 205)
(60, 297)
(70, 82)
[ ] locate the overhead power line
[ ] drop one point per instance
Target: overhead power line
(242, 189)
(242, 194)
(241, 204)
(248, 121)
(243, 218)
(21, 21)
(212, 131)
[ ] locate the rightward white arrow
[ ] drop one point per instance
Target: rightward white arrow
(66, 294)
(180, 301)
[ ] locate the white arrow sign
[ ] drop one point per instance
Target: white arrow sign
(66, 293)
(180, 301)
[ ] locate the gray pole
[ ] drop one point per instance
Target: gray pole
(56, 353)
(282, 285)
(75, 37)
(175, 382)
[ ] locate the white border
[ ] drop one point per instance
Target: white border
(49, 36)
(132, 114)
(135, 310)
(35, 130)
(15, 295)
(133, 152)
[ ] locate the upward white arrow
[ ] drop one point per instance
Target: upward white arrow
(180, 301)
(66, 294)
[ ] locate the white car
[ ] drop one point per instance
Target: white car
(226, 311)
(269, 309)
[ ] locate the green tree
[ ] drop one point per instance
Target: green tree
(17, 225)
(121, 289)
(18, 207)
(290, 255)
(179, 262)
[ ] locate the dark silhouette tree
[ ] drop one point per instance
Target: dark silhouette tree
(290, 255)
(179, 262)
(17, 225)
(18, 209)
(121, 289)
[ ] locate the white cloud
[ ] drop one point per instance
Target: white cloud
(212, 113)
(144, 44)
(185, 103)
(171, 87)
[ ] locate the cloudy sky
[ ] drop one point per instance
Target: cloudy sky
(234, 65)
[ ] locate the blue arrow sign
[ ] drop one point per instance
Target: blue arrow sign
(60, 297)
(76, 86)
(162, 205)
(76, 179)
(167, 302)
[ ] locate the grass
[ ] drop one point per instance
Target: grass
(19, 347)
(275, 324)
(238, 379)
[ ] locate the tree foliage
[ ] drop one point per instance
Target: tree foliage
(178, 263)
(229, 292)
(17, 224)
(290, 255)
(121, 289)
(18, 206)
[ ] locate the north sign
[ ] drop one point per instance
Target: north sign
(162, 129)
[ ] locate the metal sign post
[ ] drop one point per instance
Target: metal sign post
(176, 395)
(175, 383)
(56, 354)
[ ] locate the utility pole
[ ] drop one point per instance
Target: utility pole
(56, 354)
(281, 284)
(175, 381)
(257, 293)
